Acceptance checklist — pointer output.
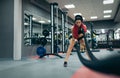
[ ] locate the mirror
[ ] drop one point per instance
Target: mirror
(33, 28)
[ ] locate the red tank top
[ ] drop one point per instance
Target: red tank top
(76, 28)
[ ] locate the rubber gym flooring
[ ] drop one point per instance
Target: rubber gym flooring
(47, 67)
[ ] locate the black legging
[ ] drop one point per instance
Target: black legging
(80, 38)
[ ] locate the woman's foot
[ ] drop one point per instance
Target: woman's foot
(82, 51)
(65, 64)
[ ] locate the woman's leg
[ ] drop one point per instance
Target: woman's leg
(82, 45)
(72, 42)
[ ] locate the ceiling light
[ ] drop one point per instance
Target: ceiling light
(26, 23)
(49, 21)
(33, 18)
(77, 14)
(83, 18)
(93, 17)
(107, 16)
(103, 30)
(42, 21)
(107, 11)
(70, 6)
(108, 1)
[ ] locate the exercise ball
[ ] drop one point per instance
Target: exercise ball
(41, 51)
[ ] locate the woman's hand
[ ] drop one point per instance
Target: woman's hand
(80, 35)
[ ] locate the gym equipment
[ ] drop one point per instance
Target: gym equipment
(92, 39)
(33, 40)
(43, 41)
(110, 37)
(57, 42)
(56, 49)
(45, 33)
(66, 31)
(54, 9)
(109, 65)
(63, 32)
(66, 44)
(30, 27)
(41, 51)
(92, 57)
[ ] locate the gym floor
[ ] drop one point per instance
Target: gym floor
(47, 67)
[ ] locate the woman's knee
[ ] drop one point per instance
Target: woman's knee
(72, 41)
(82, 41)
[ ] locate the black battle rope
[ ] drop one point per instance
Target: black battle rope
(109, 65)
(90, 54)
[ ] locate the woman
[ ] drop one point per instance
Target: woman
(77, 35)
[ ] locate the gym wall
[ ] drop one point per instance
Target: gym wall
(6, 28)
(117, 25)
(105, 24)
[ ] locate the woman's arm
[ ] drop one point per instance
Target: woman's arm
(74, 30)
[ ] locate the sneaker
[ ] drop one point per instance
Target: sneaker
(85, 50)
(65, 64)
(82, 51)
